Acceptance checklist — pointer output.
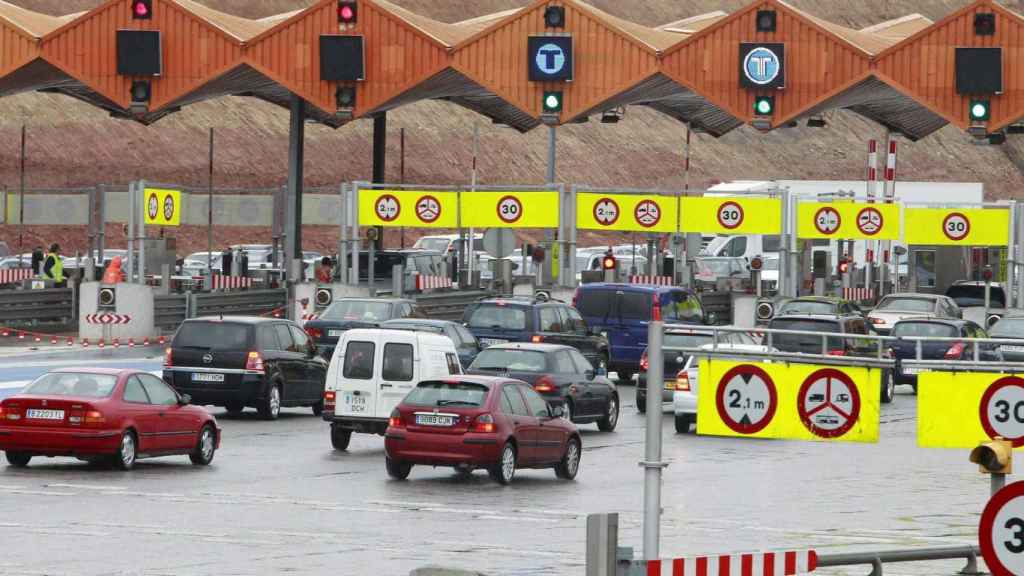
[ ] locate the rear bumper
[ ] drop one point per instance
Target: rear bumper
(356, 424)
(684, 403)
(641, 389)
(248, 390)
(51, 442)
(442, 449)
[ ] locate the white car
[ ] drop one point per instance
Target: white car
(684, 399)
(900, 306)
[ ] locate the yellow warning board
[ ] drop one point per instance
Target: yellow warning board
(732, 215)
(788, 401)
(957, 226)
(848, 221)
(962, 409)
(162, 207)
(510, 209)
(626, 212)
(408, 208)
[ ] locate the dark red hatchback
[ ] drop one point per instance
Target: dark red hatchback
(470, 422)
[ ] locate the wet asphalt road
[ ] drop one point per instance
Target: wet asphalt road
(278, 500)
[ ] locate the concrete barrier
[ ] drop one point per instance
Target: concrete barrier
(307, 291)
(135, 300)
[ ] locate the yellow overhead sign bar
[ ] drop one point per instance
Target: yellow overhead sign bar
(626, 212)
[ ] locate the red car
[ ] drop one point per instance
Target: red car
(470, 422)
(93, 414)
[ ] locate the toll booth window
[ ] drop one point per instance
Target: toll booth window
(359, 361)
(397, 363)
(683, 308)
(772, 243)
(635, 306)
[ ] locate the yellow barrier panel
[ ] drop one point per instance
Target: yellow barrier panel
(626, 212)
(848, 221)
(732, 215)
(788, 401)
(957, 227)
(162, 207)
(410, 208)
(510, 209)
(963, 409)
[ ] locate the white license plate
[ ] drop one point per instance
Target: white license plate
(492, 341)
(44, 414)
(207, 377)
(434, 420)
(335, 333)
(913, 370)
(355, 403)
(1009, 348)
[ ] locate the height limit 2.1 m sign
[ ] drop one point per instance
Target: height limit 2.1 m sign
(626, 212)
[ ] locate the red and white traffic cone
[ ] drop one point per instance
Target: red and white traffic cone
(85, 342)
(53, 340)
(117, 342)
(71, 341)
(162, 341)
(131, 342)
(101, 343)
(145, 341)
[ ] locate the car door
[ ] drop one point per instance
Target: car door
(524, 425)
(179, 427)
(549, 440)
(599, 390)
(396, 371)
(629, 338)
(145, 416)
(357, 387)
(312, 368)
(289, 364)
(549, 325)
(582, 339)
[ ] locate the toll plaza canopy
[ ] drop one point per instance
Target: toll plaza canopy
(550, 62)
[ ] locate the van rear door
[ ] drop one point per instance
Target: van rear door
(356, 387)
(630, 339)
(398, 367)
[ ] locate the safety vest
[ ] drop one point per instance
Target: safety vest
(57, 271)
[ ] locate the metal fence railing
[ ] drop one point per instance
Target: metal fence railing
(34, 307)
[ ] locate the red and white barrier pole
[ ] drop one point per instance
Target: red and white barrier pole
(890, 194)
(872, 178)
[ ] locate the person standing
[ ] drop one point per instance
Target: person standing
(53, 267)
(324, 272)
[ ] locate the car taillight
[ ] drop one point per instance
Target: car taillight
(837, 352)
(955, 351)
(395, 421)
(483, 423)
(254, 363)
(683, 381)
(536, 338)
(544, 384)
(329, 400)
(94, 417)
(314, 333)
(167, 358)
(644, 364)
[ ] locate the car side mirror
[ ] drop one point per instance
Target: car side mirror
(589, 374)
(557, 411)
(184, 400)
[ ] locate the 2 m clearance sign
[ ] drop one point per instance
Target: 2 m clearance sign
(408, 208)
(626, 212)
(848, 221)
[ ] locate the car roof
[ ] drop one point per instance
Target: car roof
(539, 347)
(630, 287)
(829, 299)
(917, 295)
(368, 299)
(98, 371)
(423, 336)
(237, 319)
(488, 381)
(418, 322)
(697, 328)
(950, 321)
(812, 317)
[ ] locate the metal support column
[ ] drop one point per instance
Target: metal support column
(1011, 259)
(784, 261)
(102, 237)
(129, 265)
(341, 264)
(140, 192)
(209, 212)
(293, 201)
(548, 235)
(380, 150)
(353, 203)
(652, 463)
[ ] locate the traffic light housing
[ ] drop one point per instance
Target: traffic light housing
(142, 9)
(980, 110)
(995, 457)
(764, 105)
(554, 17)
(844, 266)
(348, 12)
(766, 21)
(608, 262)
(985, 24)
(552, 103)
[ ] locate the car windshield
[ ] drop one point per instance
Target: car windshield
(718, 267)
(686, 340)
(212, 335)
(358, 310)
(1008, 328)
(807, 307)
(935, 329)
(510, 359)
(803, 342)
(907, 305)
(974, 295)
(438, 393)
(73, 384)
(498, 316)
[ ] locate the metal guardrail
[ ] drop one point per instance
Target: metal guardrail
(247, 303)
(169, 311)
(448, 305)
(877, 559)
(720, 303)
(33, 307)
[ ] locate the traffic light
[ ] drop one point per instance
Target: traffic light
(141, 91)
(554, 17)
(765, 21)
(985, 24)
(552, 102)
(980, 110)
(764, 105)
(608, 262)
(995, 457)
(348, 12)
(844, 266)
(142, 9)
(345, 97)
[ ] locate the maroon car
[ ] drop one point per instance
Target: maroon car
(470, 422)
(94, 414)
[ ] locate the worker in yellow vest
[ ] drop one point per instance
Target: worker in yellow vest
(53, 266)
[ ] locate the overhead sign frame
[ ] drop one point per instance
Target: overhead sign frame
(847, 220)
(161, 207)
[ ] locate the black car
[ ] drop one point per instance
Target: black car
(942, 350)
(1010, 327)
(347, 313)
(819, 305)
(465, 343)
(525, 319)
(241, 361)
(679, 336)
(853, 328)
(560, 374)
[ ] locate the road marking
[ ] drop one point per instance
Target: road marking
(14, 384)
(85, 487)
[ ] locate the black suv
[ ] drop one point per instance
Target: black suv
(818, 305)
(241, 361)
(938, 350)
(525, 319)
(851, 326)
(348, 313)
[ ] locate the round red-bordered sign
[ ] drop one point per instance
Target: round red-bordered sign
(428, 209)
(168, 208)
(828, 403)
(956, 226)
(1001, 410)
(647, 213)
(510, 209)
(746, 399)
(154, 206)
(1001, 531)
(387, 208)
(606, 211)
(870, 221)
(730, 215)
(827, 220)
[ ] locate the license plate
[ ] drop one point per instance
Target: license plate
(44, 414)
(1009, 348)
(670, 385)
(434, 420)
(335, 333)
(207, 377)
(355, 403)
(492, 341)
(913, 370)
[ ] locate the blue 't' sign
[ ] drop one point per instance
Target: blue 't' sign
(550, 58)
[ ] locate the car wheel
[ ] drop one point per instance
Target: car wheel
(888, 387)
(505, 470)
(202, 455)
(683, 422)
(18, 459)
(397, 470)
(641, 404)
(234, 409)
(570, 464)
(340, 438)
(270, 409)
(611, 416)
(126, 453)
(318, 408)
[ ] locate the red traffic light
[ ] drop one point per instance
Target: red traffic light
(986, 274)
(608, 263)
(844, 266)
(142, 9)
(756, 263)
(346, 12)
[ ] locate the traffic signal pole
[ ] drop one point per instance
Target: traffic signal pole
(652, 463)
(293, 206)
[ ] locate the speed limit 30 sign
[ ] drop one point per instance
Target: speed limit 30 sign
(1002, 410)
(730, 215)
(956, 226)
(1001, 531)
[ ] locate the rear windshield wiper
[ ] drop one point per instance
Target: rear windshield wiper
(456, 403)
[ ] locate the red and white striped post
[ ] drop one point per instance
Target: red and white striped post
(890, 194)
(870, 245)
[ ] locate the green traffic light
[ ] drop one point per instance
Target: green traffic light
(979, 110)
(764, 105)
(552, 101)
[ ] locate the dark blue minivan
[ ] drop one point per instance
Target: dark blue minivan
(622, 311)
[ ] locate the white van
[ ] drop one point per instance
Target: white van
(372, 370)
